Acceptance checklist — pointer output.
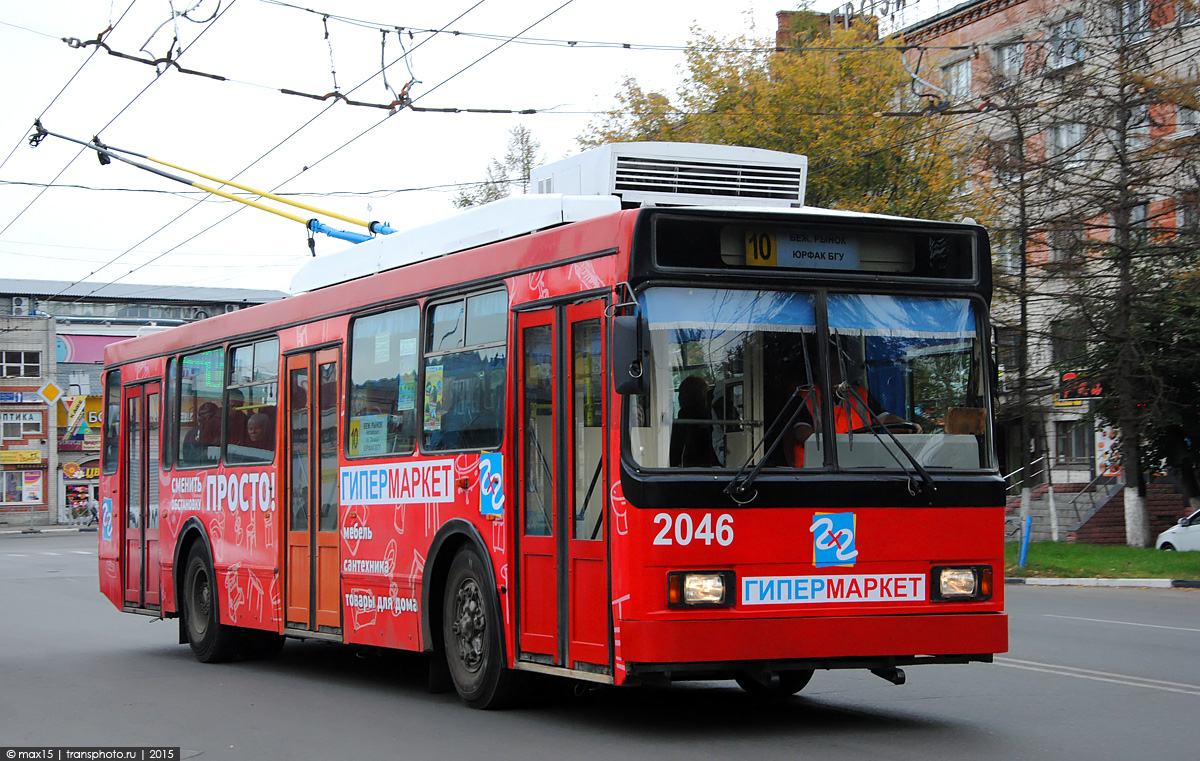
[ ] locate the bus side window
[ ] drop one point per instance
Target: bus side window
(201, 382)
(250, 400)
(465, 361)
(112, 420)
(170, 414)
(383, 383)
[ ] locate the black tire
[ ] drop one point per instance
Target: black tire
(259, 645)
(471, 634)
(776, 684)
(210, 640)
(1168, 547)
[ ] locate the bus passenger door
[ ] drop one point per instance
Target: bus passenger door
(140, 505)
(311, 562)
(563, 577)
(537, 457)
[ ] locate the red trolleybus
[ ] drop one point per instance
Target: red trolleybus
(668, 425)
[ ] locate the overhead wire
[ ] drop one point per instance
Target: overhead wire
(112, 25)
(351, 140)
(109, 123)
(271, 150)
(106, 126)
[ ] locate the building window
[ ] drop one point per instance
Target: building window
(1135, 20)
(1010, 60)
(1188, 213)
(1187, 120)
(1006, 160)
(1138, 127)
(1006, 255)
(1186, 13)
(20, 425)
(1066, 43)
(1066, 141)
(1066, 244)
(1074, 442)
(22, 487)
(20, 364)
(956, 80)
(1068, 341)
(1008, 347)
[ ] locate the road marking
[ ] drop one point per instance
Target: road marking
(1100, 676)
(82, 552)
(15, 555)
(1126, 623)
(55, 554)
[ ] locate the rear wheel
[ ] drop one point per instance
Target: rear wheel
(471, 634)
(773, 683)
(210, 640)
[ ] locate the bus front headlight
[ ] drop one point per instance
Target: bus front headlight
(961, 582)
(710, 589)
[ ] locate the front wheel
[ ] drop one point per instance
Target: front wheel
(471, 634)
(1168, 547)
(210, 640)
(778, 684)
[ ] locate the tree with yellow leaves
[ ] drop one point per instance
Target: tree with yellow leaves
(839, 96)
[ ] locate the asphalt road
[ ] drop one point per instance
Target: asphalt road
(1092, 674)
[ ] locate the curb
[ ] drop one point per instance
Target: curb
(49, 530)
(1123, 583)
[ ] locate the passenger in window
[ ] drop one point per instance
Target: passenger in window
(205, 434)
(260, 433)
(237, 418)
(691, 440)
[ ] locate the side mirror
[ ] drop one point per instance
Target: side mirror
(630, 354)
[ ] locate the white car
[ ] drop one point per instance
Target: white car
(1183, 536)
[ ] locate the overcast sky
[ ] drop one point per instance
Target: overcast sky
(108, 228)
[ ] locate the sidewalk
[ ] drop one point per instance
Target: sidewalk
(1134, 583)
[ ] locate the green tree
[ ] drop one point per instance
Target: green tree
(840, 96)
(520, 158)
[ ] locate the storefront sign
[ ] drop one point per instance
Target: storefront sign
(20, 417)
(80, 471)
(20, 457)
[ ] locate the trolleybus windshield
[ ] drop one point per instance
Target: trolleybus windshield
(741, 375)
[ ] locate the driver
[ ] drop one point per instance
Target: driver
(849, 414)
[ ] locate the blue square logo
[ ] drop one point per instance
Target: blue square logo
(833, 539)
(106, 520)
(491, 484)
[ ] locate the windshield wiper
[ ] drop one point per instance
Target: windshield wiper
(738, 486)
(876, 424)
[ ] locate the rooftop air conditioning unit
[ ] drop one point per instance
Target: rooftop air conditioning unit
(20, 306)
(679, 174)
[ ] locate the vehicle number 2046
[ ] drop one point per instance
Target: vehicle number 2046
(682, 529)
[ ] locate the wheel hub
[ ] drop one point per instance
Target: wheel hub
(469, 625)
